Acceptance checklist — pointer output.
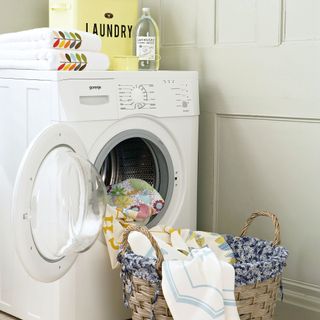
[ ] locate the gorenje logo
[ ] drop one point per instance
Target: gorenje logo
(95, 87)
(110, 30)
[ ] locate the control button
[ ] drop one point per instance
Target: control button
(138, 95)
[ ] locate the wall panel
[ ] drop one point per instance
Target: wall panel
(259, 74)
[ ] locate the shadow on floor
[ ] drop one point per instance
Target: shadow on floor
(286, 311)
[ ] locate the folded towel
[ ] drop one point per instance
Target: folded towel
(46, 38)
(52, 59)
(199, 288)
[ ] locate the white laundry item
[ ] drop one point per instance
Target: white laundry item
(184, 240)
(46, 38)
(140, 245)
(228, 276)
(52, 59)
(200, 288)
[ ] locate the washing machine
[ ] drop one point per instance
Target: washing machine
(64, 137)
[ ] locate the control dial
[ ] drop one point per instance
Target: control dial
(139, 96)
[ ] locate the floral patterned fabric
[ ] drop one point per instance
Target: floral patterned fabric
(130, 201)
(257, 260)
(136, 198)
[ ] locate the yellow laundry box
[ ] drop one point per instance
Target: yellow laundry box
(112, 20)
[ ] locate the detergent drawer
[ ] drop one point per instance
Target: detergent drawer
(87, 100)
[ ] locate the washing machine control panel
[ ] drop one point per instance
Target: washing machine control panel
(181, 93)
(136, 96)
(162, 97)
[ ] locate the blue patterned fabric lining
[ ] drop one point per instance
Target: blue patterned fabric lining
(140, 267)
(257, 260)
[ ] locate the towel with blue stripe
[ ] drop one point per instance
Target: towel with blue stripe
(201, 287)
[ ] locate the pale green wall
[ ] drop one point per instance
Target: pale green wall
(16, 15)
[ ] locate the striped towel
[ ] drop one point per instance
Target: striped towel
(201, 288)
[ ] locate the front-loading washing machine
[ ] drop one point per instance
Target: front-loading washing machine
(64, 137)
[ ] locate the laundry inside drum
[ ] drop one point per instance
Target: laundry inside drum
(138, 158)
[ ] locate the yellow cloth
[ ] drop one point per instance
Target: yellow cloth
(134, 200)
(129, 201)
(184, 240)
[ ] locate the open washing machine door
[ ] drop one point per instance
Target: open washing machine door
(58, 204)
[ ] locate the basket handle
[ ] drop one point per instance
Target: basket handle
(147, 233)
(276, 239)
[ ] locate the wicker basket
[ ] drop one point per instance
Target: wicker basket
(255, 301)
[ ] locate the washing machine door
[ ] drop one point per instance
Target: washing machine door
(58, 204)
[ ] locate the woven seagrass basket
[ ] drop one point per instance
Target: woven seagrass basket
(256, 301)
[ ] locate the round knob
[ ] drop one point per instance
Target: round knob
(137, 95)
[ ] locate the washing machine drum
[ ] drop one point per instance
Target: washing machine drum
(132, 159)
(142, 156)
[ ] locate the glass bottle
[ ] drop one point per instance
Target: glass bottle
(146, 44)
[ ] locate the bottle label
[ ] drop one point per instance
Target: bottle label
(146, 48)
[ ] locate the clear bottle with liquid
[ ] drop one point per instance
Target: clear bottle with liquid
(146, 44)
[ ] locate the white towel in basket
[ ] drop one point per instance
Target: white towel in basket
(201, 288)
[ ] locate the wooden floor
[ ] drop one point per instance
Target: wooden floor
(6, 317)
(283, 312)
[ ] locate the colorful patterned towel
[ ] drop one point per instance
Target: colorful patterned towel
(51, 59)
(46, 38)
(132, 200)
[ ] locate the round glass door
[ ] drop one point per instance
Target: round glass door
(67, 205)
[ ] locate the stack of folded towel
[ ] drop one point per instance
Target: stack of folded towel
(48, 49)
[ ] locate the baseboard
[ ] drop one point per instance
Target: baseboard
(300, 294)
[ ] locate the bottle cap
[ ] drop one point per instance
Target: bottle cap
(146, 10)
